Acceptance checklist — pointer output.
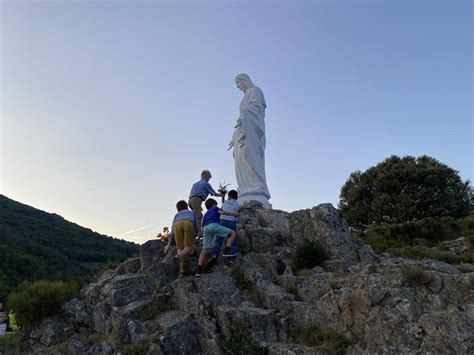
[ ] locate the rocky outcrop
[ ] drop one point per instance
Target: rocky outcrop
(355, 302)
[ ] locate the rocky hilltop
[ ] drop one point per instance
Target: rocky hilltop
(354, 303)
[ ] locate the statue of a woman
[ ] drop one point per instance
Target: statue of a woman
(248, 142)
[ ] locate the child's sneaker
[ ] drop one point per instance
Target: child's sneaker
(228, 252)
(198, 271)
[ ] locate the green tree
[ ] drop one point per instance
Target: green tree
(400, 190)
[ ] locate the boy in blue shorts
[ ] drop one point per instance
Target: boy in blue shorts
(212, 230)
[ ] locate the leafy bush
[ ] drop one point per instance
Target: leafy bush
(399, 239)
(135, 349)
(401, 190)
(153, 310)
(414, 275)
(240, 344)
(11, 342)
(308, 255)
(323, 340)
(431, 229)
(40, 299)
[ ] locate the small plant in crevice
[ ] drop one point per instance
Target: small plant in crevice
(319, 339)
(153, 310)
(414, 275)
(308, 255)
(239, 343)
(135, 349)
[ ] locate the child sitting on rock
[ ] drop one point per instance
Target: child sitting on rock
(229, 213)
(183, 230)
(212, 230)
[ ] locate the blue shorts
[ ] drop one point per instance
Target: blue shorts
(211, 231)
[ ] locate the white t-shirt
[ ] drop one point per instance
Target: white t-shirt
(3, 329)
(230, 206)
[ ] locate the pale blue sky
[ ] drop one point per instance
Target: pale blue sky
(110, 109)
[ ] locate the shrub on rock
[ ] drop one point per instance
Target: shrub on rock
(414, 275)
(308, 255)
(40, 299)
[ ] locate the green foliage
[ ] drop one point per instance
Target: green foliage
(431, 229)
(402, 190)
(321, 339)
(37, 245)
(40, 299)
(464, 268)
(11, 342)
(414, 275)
(304, 272)
(153, 310)
(399, 239)
(12, 318)
(308, 255)
(135, 349)
(240, 344)
(468, 231)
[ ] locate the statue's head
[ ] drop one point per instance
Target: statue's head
(243, 82)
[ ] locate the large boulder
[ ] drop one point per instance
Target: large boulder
(360, 301)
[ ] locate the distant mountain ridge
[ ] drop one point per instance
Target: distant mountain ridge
(36, 245)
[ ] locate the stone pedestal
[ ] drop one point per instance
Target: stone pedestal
(259, 198)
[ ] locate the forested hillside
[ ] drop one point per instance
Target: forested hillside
(38, 245)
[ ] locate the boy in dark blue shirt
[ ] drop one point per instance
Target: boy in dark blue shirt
(212, 230)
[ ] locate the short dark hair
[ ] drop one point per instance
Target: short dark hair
(233, 194)
(181, 205)
(210, 202)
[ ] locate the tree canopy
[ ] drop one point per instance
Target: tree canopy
(403, 189)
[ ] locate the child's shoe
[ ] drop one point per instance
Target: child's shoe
(198, 271)
(228, 252)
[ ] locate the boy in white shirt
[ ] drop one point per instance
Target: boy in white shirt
(229, 213)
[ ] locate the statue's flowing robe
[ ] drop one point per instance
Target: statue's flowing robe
(249, 145)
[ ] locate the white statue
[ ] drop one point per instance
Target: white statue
(248, 142)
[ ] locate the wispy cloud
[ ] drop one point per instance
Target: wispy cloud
(135, 230)
(137, 239)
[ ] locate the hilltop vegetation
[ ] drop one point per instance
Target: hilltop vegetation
(417, 208)
(401, 190)
(36, 245)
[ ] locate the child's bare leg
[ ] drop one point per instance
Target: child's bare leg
(185, 251)
(223, 247)
(202, 257)
(231, 239)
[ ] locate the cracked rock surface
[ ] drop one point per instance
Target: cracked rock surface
(355, 295)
